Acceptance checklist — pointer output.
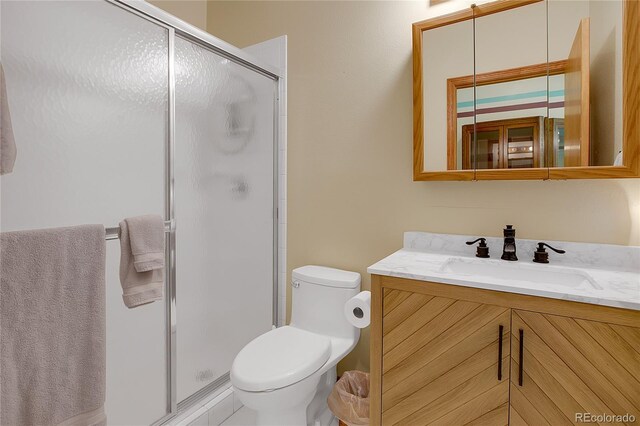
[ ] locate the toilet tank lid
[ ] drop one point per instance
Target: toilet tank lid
(329, 277)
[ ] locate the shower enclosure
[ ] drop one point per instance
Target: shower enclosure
(119, 109)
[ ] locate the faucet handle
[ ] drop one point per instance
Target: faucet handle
(482, 249)
(541, 255)
(542, 245)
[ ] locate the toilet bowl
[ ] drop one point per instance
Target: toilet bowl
(286, 374)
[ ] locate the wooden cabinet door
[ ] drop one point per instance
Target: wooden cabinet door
(562, 366)
(442, 362)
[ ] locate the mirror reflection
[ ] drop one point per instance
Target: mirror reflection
(588, 35)
(450, 50)
(511, 89)
(546, 92)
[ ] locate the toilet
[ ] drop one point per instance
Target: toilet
(286, 374)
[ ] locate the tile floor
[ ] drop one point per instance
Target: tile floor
(242, 417)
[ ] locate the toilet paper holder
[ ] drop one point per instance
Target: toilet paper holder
(357, 310)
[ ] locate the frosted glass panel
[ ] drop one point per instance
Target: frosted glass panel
(224, 212)
(87, 90)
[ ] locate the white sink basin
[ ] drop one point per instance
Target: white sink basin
(515, 271)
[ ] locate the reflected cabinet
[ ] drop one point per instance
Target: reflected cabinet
(528, 89)
(503, 144)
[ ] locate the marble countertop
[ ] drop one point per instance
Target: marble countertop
(612, 273)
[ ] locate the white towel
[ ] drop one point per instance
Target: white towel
(146, 235)
(142, 275)
(52, 340)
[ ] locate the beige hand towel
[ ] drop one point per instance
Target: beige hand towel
(7, 142)
(138, 288)
(146, 234)
(52, 340)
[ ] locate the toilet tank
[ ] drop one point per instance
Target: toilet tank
(318, 295)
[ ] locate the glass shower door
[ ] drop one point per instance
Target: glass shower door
(224, 210)
(88, 86)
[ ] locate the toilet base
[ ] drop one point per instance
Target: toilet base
(281, 407)
(301, 404)
(318, 413)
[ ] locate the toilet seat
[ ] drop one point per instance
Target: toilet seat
(279, 358)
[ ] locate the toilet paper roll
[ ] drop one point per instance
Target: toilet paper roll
(358, 309)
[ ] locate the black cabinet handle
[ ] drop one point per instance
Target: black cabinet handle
(521, 357)
(500, 353)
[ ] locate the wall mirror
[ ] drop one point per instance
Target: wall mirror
(528, 89)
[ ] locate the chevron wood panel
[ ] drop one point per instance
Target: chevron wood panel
(399, 366)
(440, 362)
(433, 318)
(572, 366)
(393, 298)
(395, 321)
(550, 408)
(629, 334)
(611, 338)
(495, 417)
(462, 353)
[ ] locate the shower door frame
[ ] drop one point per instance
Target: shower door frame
(177, 27)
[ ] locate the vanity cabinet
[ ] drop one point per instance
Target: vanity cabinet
(452, 355)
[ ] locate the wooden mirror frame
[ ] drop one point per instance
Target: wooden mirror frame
(630, 104)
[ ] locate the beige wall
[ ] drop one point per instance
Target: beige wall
(191, 11)
(351, 195)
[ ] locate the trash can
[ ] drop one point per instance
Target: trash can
(349, 399)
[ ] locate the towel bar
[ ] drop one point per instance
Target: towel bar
(114, 233)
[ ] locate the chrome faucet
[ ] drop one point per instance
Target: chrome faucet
(509, 247)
